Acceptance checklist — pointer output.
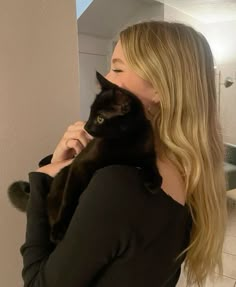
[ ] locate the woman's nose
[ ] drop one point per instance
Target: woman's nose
(113, 78)
(109, 77)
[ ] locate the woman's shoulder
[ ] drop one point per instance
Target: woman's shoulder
(114, 190)
(125, 184)
(173, 183)
(118, 192)
(118, 184)
(122, 173)
(118, 178)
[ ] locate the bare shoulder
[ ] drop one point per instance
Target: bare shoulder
(173, 183)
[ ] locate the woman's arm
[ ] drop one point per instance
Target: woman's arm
(95, 235)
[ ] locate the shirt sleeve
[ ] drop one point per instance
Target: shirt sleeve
(98, 232)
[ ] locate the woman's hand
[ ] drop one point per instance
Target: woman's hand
(73, 141)
(53, 168)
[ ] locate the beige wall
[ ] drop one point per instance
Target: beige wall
(38, 100)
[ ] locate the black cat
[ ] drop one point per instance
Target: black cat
(122, 135)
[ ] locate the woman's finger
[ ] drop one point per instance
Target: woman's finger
(79, 135)
(75, 144)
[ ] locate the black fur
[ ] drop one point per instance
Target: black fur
(18, 193)
(122, 135)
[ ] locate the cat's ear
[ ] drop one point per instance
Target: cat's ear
(104, 83)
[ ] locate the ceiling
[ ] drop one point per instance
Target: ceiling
(103, 18)
(207, 11)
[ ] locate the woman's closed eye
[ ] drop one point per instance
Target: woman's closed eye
(117, 70)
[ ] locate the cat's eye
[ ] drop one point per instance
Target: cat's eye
(99, 119)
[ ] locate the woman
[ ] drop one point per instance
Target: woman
(117, 236)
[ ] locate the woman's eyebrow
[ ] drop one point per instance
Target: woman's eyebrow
(117, 60)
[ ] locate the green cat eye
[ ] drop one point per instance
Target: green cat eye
(100, 119)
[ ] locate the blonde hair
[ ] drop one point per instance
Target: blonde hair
(178, 62)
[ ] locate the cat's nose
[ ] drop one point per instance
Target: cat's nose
(89, 129)
(86, 127)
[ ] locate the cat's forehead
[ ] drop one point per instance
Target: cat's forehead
(113, 96)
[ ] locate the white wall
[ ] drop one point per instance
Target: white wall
(93, 53)
(228, 102)
(172, 14)
(39, 98)
(221, 37)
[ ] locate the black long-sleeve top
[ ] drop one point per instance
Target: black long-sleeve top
(120, 235)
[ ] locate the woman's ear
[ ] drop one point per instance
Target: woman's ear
(156, 98)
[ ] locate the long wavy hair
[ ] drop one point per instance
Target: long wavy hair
(178, 62)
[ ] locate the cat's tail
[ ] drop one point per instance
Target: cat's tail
(18, 193)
